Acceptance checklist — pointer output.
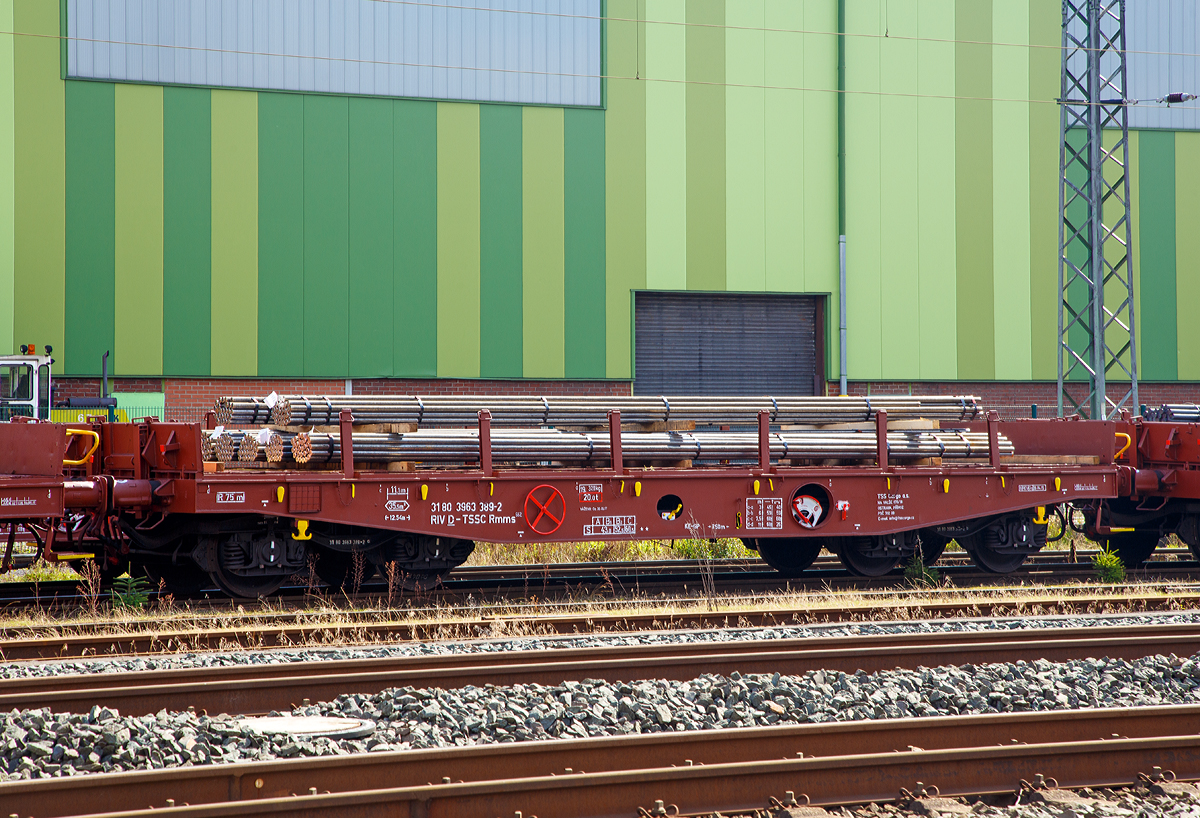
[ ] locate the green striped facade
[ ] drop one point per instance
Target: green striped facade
(199, 232)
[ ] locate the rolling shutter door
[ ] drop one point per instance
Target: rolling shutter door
(727, 344)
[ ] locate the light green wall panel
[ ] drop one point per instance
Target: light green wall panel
(898, 178)
(234, 233)
(666, 144)
(863, 214)
(1187, 253)
(820, 191)
(1045, 34)
(745, 147)
(783, 168)
(706, 145)
(138, 234)
(625, 184)
(973, 189)
(39, 146)
(1010, 192)
(935, 191)
(542, 242)
(458, 240)
(7, 179)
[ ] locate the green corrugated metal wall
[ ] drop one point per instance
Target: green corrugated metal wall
(199, 232)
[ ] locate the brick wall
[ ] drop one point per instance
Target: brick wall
(1014, 399)
(188, 398)
(90, 387)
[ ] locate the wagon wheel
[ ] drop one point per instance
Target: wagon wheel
(856, 555)
(932, 546)
(185, 579)
(1134, 547)
(990, 559)
(246, 587)
(790, 556)
(336, 568)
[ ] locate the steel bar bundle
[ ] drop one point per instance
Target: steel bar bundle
(532, 445)
(292, 410)
(247, 451)
(246, 446)
(1184, 412)
(243, 411)
(221, 445)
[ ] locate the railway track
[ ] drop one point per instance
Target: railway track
(281, 629)
(260, 688)
(673, 577)
(727, 770)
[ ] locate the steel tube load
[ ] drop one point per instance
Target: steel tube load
(301, 410)
(533, 445)
(1183, 412)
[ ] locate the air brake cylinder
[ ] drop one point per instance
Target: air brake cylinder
(90, 494)
(132, 493)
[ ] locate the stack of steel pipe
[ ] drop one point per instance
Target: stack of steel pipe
(221, 445)
(1183, 412)
(229, 445)
(293, 410)
(243, 411)
(533, 445)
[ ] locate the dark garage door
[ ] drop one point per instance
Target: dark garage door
(728, 344)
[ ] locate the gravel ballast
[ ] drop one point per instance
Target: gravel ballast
(19, 670)
(38, 743)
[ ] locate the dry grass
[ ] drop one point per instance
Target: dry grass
(550, 553)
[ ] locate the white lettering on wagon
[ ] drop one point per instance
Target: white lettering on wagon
(764, 513)
(1086, 487)
(231, 496)
(609, 526)
(1031, 487)
(890, 507)
(17, 501)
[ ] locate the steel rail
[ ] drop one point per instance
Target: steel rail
(276, 630)
(218, 783)
(262, 688)
(741, 786)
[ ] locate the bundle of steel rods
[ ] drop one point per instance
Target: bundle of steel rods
(228, 445)
(293, 410)
(536, 445)
(1183, 412)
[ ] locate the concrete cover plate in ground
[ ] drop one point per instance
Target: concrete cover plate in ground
(311, 726)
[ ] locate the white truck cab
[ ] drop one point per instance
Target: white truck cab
(25, 384)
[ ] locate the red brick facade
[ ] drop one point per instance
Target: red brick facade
(188, 398)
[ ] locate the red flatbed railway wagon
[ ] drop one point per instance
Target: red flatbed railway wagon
(141, 493)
